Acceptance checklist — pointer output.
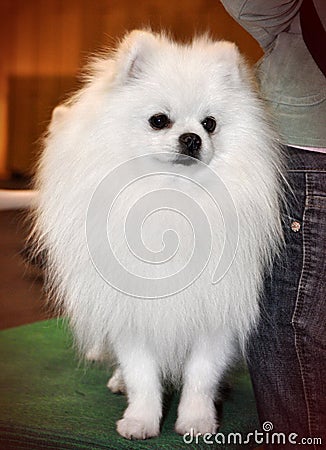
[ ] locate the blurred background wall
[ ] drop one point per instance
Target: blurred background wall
(44, 43)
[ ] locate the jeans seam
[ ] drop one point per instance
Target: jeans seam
(298, 308)
(306, 170)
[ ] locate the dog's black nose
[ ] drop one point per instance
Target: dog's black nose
(190, 144)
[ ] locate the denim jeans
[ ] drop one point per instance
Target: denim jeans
(287, 354)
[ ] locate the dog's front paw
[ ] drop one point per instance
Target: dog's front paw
(137, 428)
(196, 425)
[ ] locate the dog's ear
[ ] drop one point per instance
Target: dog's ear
(230, 57)
(228, 52)
(58, 115)
(134, 53)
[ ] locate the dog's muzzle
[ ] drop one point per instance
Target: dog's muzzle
(190, 144)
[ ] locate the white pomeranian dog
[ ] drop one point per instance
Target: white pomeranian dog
(194, 110)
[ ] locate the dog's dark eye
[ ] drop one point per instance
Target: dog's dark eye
(209, 123)
(159, 121)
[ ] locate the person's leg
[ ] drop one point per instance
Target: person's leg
(287, 355)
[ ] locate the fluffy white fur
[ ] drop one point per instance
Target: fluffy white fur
(189, 336)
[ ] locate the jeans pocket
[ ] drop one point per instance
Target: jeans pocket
(310, 311)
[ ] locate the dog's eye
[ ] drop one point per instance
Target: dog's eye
(209, 123)
(159, 121)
